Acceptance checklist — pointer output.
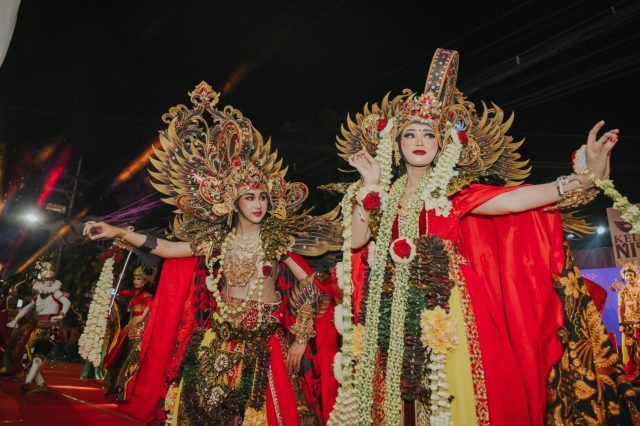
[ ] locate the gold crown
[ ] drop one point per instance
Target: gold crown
(204, 168)
(147, 274)
(630, 266)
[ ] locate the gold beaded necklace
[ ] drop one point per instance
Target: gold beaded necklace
(229, 312)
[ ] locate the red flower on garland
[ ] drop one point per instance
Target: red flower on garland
(382, 123)
(267, 270)
(119, 257)
(372, 201)
(107, 253)
(113, 251)
(402, 249)
(462, 135)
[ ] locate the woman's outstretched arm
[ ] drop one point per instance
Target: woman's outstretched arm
(534, 196)
(164, 248)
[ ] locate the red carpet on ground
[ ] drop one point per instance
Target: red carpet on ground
(67, 400)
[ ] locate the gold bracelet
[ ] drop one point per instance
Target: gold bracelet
(576, 197)
(304, 327)
(121, 242)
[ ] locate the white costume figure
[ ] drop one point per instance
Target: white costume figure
(50, 307)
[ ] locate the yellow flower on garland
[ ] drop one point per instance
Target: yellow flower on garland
(438, 330)
(356, 340)
(253, 417)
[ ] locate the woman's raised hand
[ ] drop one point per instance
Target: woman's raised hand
(367, 166)
(98, 230)
(598, 150)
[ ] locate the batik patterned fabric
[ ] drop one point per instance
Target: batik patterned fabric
(588, 385)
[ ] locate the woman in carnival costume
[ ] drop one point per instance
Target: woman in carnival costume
(121, 362)
(240, 312)
(466, 306)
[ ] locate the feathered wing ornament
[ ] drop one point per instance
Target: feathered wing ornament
(488, 151)
(208, 157)
(579, 227)
(363, 131)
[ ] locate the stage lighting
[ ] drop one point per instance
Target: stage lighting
(601, 230)
(32, 217)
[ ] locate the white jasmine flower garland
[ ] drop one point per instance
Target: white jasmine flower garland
(435, 194)
(345, 408)
(355, 396)
(92, 339)
(629, 212)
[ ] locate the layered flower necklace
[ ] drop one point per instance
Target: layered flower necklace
(355, 397)
(226, 310)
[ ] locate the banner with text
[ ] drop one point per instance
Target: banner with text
(625, 246)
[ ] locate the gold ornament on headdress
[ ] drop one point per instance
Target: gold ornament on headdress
(45, 270)
(141, 272)
(487, 149)
(630, 266)
(206, 163)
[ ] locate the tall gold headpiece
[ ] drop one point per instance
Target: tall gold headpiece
(433, 106)
(205, 164)
(487, 149)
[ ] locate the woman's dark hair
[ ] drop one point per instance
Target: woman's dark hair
(493, 180)
(401, 170)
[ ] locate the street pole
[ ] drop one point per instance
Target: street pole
(72, 199)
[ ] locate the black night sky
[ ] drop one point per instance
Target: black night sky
(92, 80)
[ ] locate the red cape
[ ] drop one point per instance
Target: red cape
(147, 386)
(517, 311)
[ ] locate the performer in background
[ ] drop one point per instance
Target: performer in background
(240, 319)
(12, 357)
(629, 317)
(50, 307)
(121, 361)
(468, 308)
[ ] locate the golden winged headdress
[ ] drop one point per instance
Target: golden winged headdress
(487, 149)
(211, 156)
(204, 165)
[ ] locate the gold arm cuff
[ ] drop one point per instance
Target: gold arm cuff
(576, 197)
(304, 327)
